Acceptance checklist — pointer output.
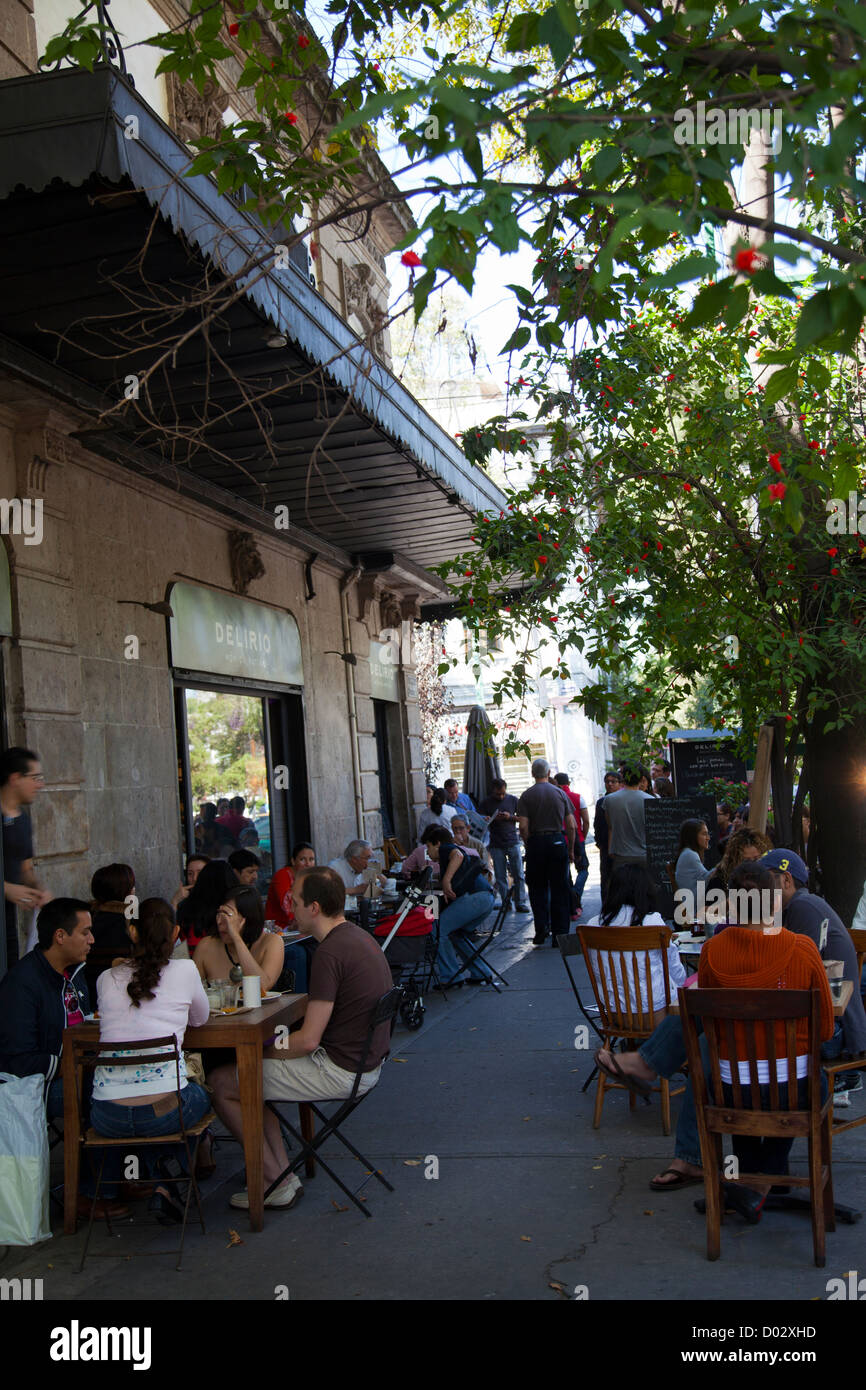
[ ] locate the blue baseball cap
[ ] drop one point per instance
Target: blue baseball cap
(786, 860)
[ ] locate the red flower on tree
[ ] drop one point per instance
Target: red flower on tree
(774, 461)
(410, 258)
(747, 261)
(291, 118)
(777, 491)
(303, 41)
(234, 29)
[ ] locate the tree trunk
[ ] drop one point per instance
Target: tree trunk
(837, 779)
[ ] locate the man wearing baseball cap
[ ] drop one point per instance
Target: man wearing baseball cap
(808, 915)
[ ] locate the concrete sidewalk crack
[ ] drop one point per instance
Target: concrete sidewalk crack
(595, 1229)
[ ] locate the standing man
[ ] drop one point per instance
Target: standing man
(21, 781)
(612, 784)
(625, 819)
(541, 811)
(661, 768)
(501, 811)
(581, 817)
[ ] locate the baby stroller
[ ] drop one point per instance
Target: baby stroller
(408, 942)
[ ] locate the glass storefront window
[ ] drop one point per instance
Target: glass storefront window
(227, 759)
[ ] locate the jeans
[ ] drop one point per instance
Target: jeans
(581, 863)
(297, 959)
(547, 862)
(462, 915)
(118, 1121)
(503, 860)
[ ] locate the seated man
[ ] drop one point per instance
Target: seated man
(354, 868)
(348, 975)
(39, 997)
(472, 845)
(469, 899)
(755, 953)
(246, 866)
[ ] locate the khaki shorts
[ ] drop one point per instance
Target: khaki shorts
(314, 1077)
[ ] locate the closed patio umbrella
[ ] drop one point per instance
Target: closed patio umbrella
(481, 761)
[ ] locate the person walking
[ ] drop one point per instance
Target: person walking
(624, 812)
(612, 784)
(501, 812)
(542, 811)
(21, 780)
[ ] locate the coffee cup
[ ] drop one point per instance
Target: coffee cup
(252, 991)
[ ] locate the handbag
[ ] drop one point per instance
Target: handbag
(23, 1160)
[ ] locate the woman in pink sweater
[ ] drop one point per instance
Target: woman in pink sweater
(149, 996)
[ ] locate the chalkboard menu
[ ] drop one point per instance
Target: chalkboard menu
(663, 817)
(696, 761)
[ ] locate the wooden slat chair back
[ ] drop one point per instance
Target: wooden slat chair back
(619, 970)
(758, 1011)
(840, 1065)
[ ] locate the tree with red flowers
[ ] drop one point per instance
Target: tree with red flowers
(695, 519)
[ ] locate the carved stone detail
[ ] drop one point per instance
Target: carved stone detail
(363, 303)
(193, 113)
(246, 562)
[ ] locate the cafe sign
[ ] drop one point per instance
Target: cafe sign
(224, 635)
(384, 672)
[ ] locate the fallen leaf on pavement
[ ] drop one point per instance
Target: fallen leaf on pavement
(412, 1162)
(234, 1239)
(526, 1237)
(399, 1059)
(649, 1213)
(595, 1167)
(337, 1207)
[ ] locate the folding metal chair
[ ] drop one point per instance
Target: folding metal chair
(103, 1054)
(474, 949)
(570, 946)
(384, 1011)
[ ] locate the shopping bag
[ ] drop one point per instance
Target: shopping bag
(23, 1161)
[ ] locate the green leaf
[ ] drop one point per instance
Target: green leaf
(781, 384)
(519, 338)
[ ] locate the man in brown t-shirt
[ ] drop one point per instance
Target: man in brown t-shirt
(348, 977)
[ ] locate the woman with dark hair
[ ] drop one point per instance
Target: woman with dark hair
(109, 888)
(432, 815)
(149, 996)
(196, 915)
(663, 787)
(742, 847)
(631, 901)
(689, 871)
(278, 907)
(239, 938)
(469, 900)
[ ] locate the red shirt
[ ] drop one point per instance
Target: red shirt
(574, 798)
(278, 907)
(233, 822)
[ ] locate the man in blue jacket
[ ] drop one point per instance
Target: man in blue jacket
(39, 997)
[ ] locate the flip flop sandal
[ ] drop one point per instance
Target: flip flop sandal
(683, 1180)
(616, 1073)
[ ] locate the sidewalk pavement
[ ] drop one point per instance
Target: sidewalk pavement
(503, 1188)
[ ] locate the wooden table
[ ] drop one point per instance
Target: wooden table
(246, 1034)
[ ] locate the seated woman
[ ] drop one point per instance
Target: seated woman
(689, 871)
(630, 901)
(469, 897)
(246, 866)
(752, 953)
(741, 847)
(278, 907)
(432, 815)
(109, 889)
(196, 915)
(239, 938)
(149, 996)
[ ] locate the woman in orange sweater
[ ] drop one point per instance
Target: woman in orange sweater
(763, 955)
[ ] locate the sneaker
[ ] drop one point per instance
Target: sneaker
(284, 1196)
(841, 1099)
(522, 907)
(854, 1082)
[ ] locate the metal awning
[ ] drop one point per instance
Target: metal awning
(353, 455)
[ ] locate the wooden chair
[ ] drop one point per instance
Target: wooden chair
(393, 851)
(718, 1010)
(101, 1055)
(626, 1013)
(839, 1126)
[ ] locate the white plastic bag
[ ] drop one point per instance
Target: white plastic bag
(23, 1161)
